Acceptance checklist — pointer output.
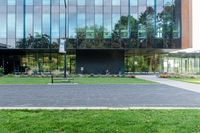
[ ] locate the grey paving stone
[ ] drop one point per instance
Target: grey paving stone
(151, 95)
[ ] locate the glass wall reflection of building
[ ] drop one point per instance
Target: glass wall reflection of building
(91, 24)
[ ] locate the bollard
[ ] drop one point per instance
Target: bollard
(52, 78)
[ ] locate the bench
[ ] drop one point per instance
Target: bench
(61, 79)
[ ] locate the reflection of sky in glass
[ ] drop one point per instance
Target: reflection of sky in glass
(81, 2)
(46, 24)
(159, 3)
(3, 25)
(81, 20)
(62, 25)
(90, 20)
(62, 2)
(98, 2)
(29, 2)
(133, 2)
(46, 2)
(116, 2)
(11, 25)
(150, 2)
(99, 20)
(167, 2)
(11, 2)
(29, 24)
(72, 25)
(37, 20)
(115, 20)
(55, 26)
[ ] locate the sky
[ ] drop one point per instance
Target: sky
(196, 24)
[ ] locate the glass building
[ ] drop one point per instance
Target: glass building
(99, 33)
(182, 62)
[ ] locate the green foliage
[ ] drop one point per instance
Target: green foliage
(1, 71)
(145, 63)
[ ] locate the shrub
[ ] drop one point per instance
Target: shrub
(57, 73)
(130, 76)
(164, 75)
(172, 75)
(10, 75)
(91, 75)
(193, 77)
(1, 71)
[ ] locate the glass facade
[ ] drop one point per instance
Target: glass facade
(96, 24)
(172, 63)
(181, 63)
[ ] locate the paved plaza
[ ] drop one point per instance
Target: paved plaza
(119, 96)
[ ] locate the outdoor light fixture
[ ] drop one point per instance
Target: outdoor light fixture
(65, 60)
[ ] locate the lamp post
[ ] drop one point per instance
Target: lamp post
(65, 58)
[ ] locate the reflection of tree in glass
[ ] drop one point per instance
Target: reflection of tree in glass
(39, 41)
(90, 38)
(167, 24)
(146, 26)
(120, 32)
(144, 63)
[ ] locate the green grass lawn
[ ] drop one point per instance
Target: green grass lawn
(80, 80)
(112, 80)
(85, 121)
(188, 80)
(24, 80)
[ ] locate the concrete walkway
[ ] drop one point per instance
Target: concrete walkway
(173, 83)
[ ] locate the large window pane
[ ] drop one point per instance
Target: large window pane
(29, 20)
(11, 2)
(81, 30)
(142, 32)
(90, 23)
(116, 31)
(81, 2)
(46, 2)
(107, 22)
(11, 25)
(19, 22)
(116, 2)
(133, 2)
(98, 2)
(37, 20)
(3, 21)
(46, 24)
(29, 2)
(72, 22)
